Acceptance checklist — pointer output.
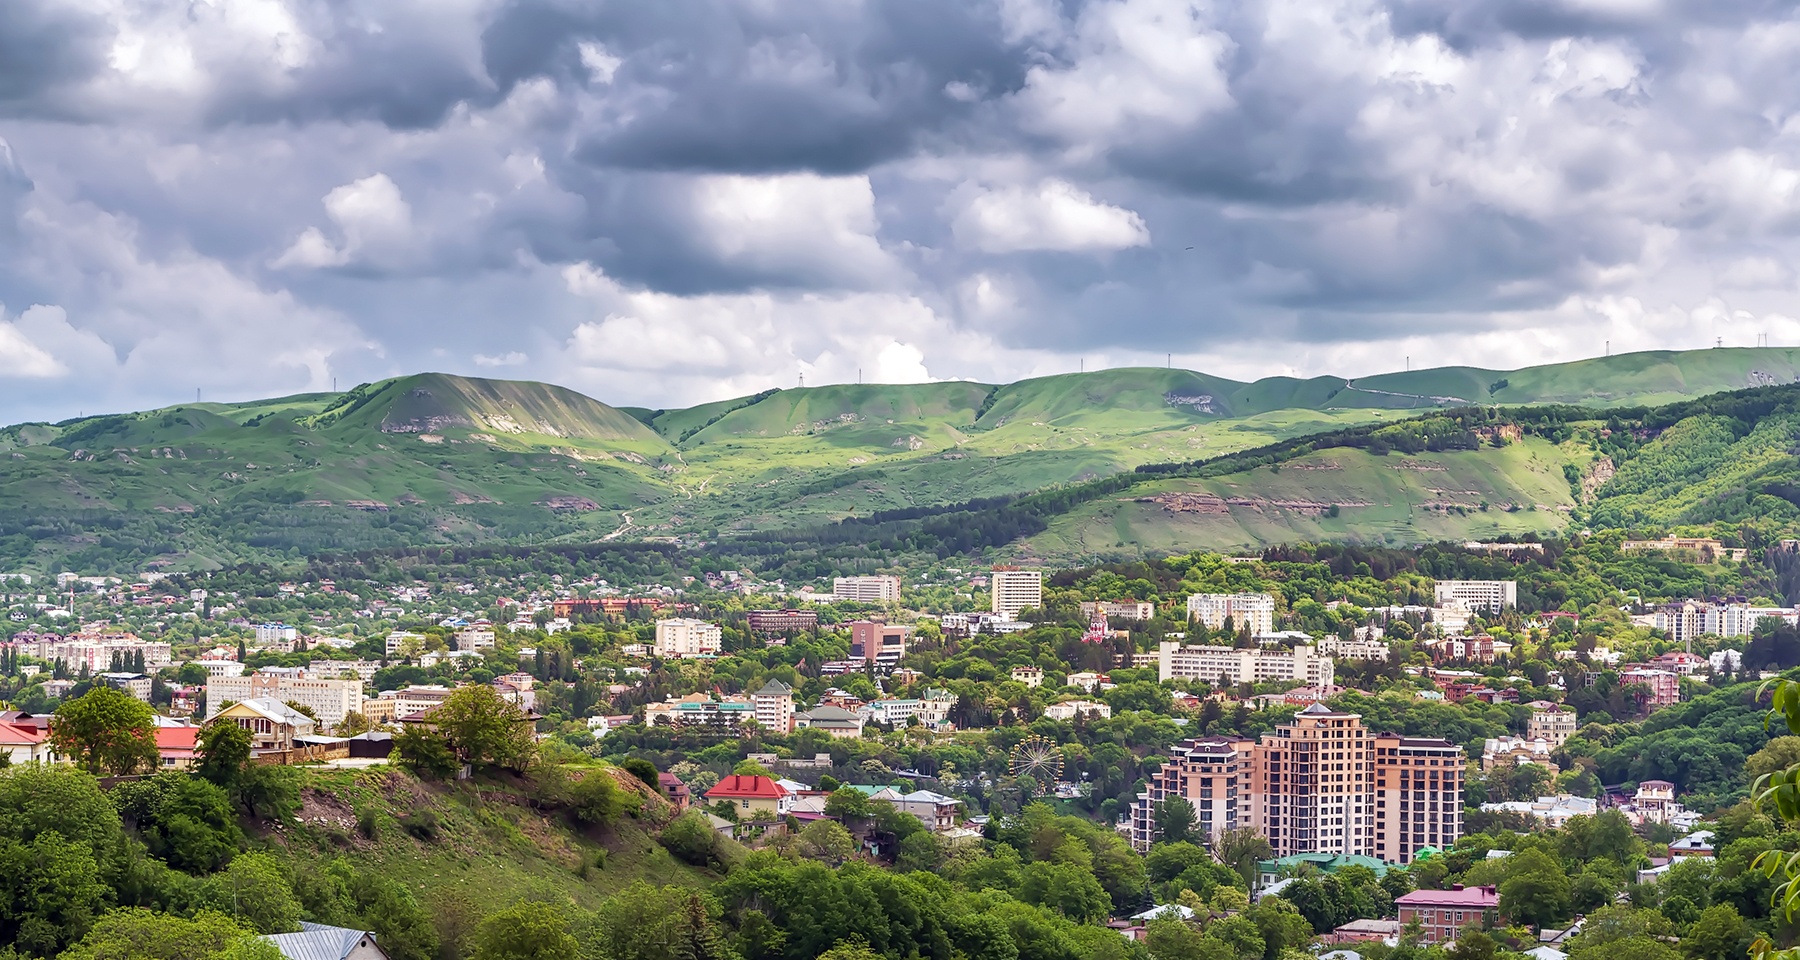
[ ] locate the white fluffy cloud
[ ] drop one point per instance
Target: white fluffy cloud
(1053, 215)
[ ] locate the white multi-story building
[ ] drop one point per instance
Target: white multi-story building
(1226, 665)
(400, 641)
(1688, 619)
(1016, 590)
(474, 639)
(330, 700)
(1492, 596)
(271, 633)
(683, 637)
(774, 707)
(1118, 609)
(935, 707)
(1253, 610)
(866, 589)
(894, 713)
(1070, 709)
(1352, 649)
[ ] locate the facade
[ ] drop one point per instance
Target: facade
(1444, 913)
(268, 634)
(1707, 547)
(475, 638)
(1227, 665)
(1518, 751)
(330, 700)
(881, 643)
(23, 743)
(1322, 783)
(1030, 676)
(272, 725)
(680, 637)
(410, 700)
(697, 709)
(316, 941)
(1492, 596)
(1553, 812)
(836, 721)
(1688, 619)
(1015, 590)
(1664, 687)
(866, 589)
(774, 707)
(403, 642)
(938, 812)
(1118, 610)
(1363, 649)
(1552, 723)
(782, 621)
(1253, 610)
(890, 711)
(135, 684)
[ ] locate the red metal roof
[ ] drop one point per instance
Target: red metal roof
(739, 787)
(1456, 896)
(178, 741)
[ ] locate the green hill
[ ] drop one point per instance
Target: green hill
(436, 458)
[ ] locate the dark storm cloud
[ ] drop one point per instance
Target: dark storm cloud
(1470, 24)
(44, 46)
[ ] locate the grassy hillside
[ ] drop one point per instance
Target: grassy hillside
(436, 458)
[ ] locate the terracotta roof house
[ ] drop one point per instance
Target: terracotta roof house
(1444, 913)
(750, 794)
(672, 788)
(176, 747)
(25, 743)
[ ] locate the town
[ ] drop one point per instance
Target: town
(1376, 755)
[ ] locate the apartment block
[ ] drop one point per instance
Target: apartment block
(1322, 783)
(682, 637)
(774, 705)
(1015, 590)
(1118, 609)
(1492, 596)
(272, 633)
(1253, 610)
(882, 643)
(1663, 686)
(1552, 723)
(866, 589)
(1688, 619)
(1229, 665)
(330, 700)
(475, 638)
(782, 621)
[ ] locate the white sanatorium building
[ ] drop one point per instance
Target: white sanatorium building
(1235, 665)
(682, 637)
(1489, 595)
(866, 589)
(1016, 590)
(1255, 610)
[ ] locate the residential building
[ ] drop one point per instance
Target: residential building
(939, 813)
(1253, 610)
(1452, 619)
(1088, 680)
(1552, 812)
(518, 689)
(1445, 913)
(866, 589)
(22, 743)
(1663, 687)
(1353, 649)
(273, 633)
(884, 644)
(329, 700)
(1707, 547)
(1680, 663)
(836, 721)
(682, 637)
(1030, 676)
(1118, 609)
(317, 941)
(1479, 649)
(1552, 723)
(754, 796)
(774, 707)
(1322, 783)
(177, 747)
(404, 643)
(1014, 590)
(475, 638)
(1686, 619)
(1270, 872)
(1228, 665)
(135, 684)
(1491, 596)
(782, 621)
(935, 707)
(1070, 709)
(890, 711)
(697, 709)
(1654, 802)
(410, 700)
(272, 725)
(673, 789)
(1517, 751)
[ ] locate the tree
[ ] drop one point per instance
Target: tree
(268, 792)
(138, 934)
(1066, 888)
(690, 837)
(921, 851)
(224, 749)
(106, 731)
(1171, 939)
(642, 922)
(255, 890)
(644, 770)
(1241, 848)
(1719, 934)
(596, 798)
(485, 729)
(1175, 820)
(1536, 890)
(826, 841)
(353, 724)
(526, 931)
(849, 803)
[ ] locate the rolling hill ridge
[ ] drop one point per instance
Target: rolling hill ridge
(438, 458)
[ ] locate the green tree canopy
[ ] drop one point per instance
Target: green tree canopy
(106, 731)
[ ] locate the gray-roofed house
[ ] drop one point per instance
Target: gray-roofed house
(317, 941)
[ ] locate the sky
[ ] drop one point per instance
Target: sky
(663, 203)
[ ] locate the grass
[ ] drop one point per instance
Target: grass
(490, 847)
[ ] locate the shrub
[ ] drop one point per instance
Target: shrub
(690, 838)
(642, 769)
(422, 824)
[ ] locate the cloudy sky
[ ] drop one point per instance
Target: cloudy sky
(674, 201)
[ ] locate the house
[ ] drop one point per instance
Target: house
(1696, 844)
(24, 743)
(317, 941)
(273, 725)
(1516, 751)
(754, 795)
(176, 747)
(836, 721)
(1271, 872)
(676, 791)
(1029, 676)
(935, 810)
(1070, 709)
(1444, 913)
(1362, 931)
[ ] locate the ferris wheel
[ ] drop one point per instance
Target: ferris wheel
(1037, 757)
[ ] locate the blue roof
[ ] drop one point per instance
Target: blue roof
(317, 941)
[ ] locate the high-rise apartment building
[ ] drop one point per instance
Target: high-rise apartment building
(683, 637)
(330, 700)
(774, 704)
(1253, 610)
(1015, 590)
(1491, 596)
(1322, 783)
(866, 589)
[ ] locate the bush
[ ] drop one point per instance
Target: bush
(422, 824)
(643, 770)
(425, 753)
(596, 798)
(690, 838)
(367, 824)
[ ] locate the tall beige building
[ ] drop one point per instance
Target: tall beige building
(329, 700)
(684, 637)
(1552, 723)
(1253, 610)
(866, 589)
(1322, 783)
(1015, 590)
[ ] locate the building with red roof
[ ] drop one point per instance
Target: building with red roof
(750, 794)
(177, 747)
(25, 743)
(1444, 913)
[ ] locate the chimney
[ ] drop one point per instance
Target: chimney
(1455, 887)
